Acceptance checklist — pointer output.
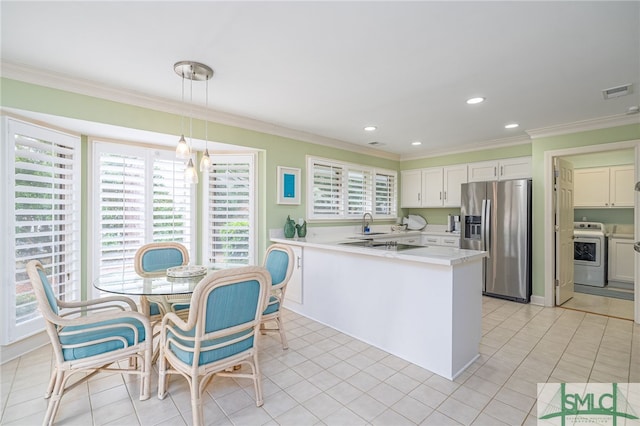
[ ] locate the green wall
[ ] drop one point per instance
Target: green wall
(606, 216)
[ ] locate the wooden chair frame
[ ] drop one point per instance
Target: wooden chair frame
(165, 303)
(199, 376)
(81, 313)
(277, 294)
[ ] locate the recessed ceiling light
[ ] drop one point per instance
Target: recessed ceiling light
(370, 128)
(475, 101)
(416, 143)
(511, 126)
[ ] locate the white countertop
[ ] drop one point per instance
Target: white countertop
(430, 254)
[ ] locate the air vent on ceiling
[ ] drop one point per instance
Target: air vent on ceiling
(616, 92)
(376, 143)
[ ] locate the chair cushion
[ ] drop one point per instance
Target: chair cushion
(181, 306)
(272, 307)
(159, 259)
(90, 335)
(154, 309)
(207, 357)
(277, 264)
(51, 298)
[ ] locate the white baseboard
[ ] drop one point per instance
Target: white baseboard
(537, 300)
(21, 347)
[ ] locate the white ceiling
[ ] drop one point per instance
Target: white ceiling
(327, 69)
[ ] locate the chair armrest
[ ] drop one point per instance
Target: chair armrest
(105, 316)
(176, 320)
(101, 301)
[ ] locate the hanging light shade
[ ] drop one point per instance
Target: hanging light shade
(205, 161)
(194, 71)
(190, 173)
(182, 150)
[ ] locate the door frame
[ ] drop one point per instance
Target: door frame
(549, 256)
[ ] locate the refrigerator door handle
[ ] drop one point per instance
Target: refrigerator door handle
(486, 224)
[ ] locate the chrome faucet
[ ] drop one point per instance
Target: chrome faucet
(365, 224)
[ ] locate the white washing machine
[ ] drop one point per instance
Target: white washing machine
(589, 254)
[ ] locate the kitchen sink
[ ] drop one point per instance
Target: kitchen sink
(369, 233)
(381, 245)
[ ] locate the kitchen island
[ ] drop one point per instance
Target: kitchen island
(422, 304)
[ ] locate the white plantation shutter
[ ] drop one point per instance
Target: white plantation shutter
(172, 202)
(346, 191)
(386, 194)
(327, 189)
(121, 210)
(42, 205)
(359, 199)
(230, 206)
(141, 197)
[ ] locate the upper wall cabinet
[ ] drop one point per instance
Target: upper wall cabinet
(508, 168)
(604, 187)
(433, 187)
(441, 186)
(411, 191)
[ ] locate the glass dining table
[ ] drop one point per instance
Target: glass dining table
(162, 289)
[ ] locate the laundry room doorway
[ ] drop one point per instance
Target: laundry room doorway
(605, 283)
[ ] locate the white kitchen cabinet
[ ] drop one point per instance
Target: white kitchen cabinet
(439, 240)
(621, 186)
(621, 260)
(411, 190)
(294, 288)
(450, 241)
(604, 187)
(505, 169)
(441, 186)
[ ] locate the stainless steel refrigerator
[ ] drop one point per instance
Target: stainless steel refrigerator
(496, 217)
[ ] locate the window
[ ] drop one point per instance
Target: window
(140, 197)
(338, 191)
(42, 222)
(230, 210)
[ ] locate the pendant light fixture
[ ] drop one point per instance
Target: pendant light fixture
(182, 150)
(198, 72)
(205, 161)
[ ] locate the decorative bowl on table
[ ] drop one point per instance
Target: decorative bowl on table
(186, 271)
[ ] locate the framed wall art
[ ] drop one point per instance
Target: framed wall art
(288, 185)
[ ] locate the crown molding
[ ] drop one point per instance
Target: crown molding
(85, 87)
(475, 146)
(585, 125)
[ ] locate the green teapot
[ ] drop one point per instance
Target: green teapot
(289, 228)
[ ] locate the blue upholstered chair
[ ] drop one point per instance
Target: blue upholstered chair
(278, 260)
(89, 336)
(153, 260)
(220, 333)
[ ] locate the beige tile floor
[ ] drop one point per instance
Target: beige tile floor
(601, 305)
(328, 378)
